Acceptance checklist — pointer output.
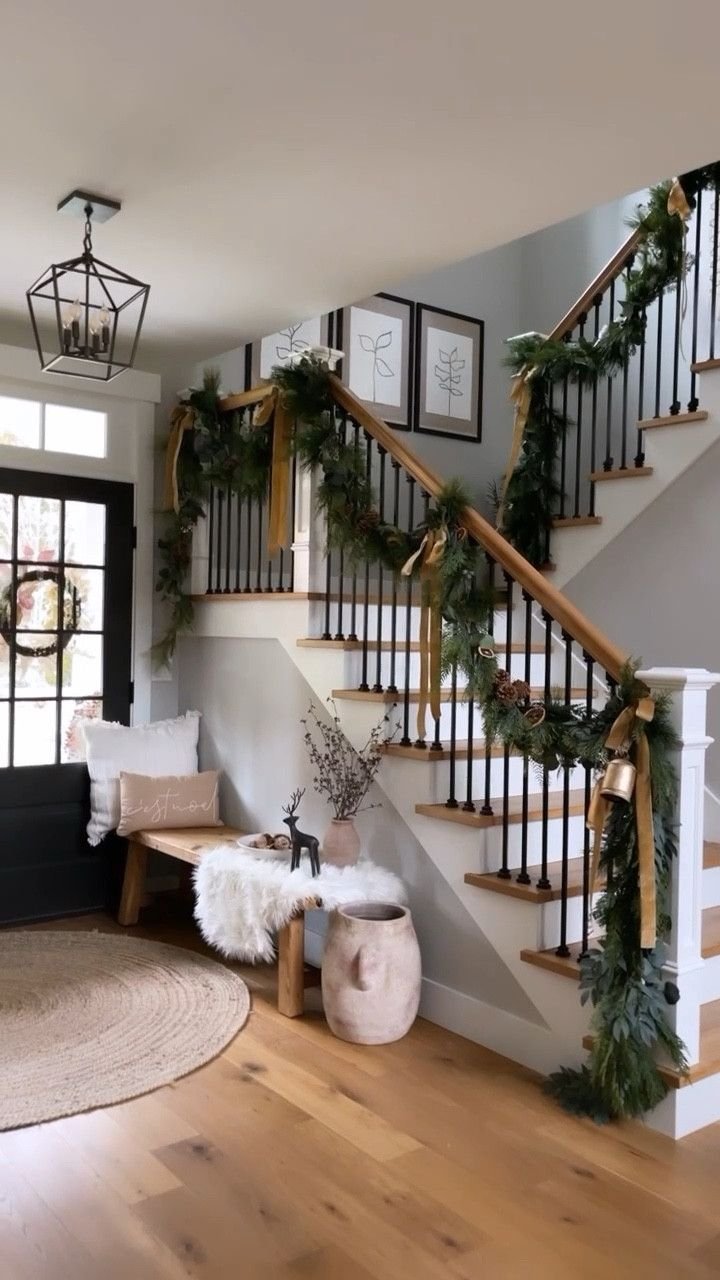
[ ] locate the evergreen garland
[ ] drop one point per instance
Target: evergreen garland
(623, 983)
(660, 261)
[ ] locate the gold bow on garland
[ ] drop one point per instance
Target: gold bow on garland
(430, 553)
(521, 397)
(272, 403)
(620, 740)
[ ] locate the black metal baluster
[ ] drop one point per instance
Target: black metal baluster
(504, 872)
(608, 463)
(248, 549)
(228, 538)
(211, 536)
(258, 576)
(392, 686)
(469, 805)
(218, 541)
(366, 604)
(352, 634)
(563, 448)
(378, 686)
(486, 807)
(563, 949)
(693, 402)
(523, 876)
(451, 802)
(340, 634)
(586, 896)
(293, 516)
(420, 742)
(238, 541)
(640, 443)
(624, 426)
(597, 303)
(676, 406)
(659, 356)
(714, 282)
(578, 430)
(328, 585)
(405, 740)
(543, 882)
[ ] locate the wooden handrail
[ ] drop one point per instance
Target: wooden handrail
(610, 272)
(241, 399)
(593, 641)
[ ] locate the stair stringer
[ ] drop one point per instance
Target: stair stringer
(507, 924)
(670, 451)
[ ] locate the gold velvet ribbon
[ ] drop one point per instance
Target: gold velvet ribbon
(521, 397)
(430, 553)
(280, 472)
(182, 419)
(677, 202)
(620, 739)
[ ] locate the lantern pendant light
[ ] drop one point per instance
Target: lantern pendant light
(86, 315)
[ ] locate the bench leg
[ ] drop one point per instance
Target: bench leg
(133, 883)
(291, 967)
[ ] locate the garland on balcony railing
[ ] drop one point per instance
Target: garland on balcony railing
(623, 981)
(540, 363)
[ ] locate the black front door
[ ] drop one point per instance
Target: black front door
(65, 657)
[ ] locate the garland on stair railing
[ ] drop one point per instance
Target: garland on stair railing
(623, 981)
(539, 363)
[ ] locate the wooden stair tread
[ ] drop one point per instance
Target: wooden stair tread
(622, 473)
(575, 522)
(711, 854)
(673, 420)
(370, 695)
(702, 366)
(231, 597)
(709, 1064)
(514, 810)
(355, 646)
(530, 892)
(565, 966)
(424, 755)
(399, 599)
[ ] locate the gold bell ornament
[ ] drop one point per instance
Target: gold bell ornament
(618, 781)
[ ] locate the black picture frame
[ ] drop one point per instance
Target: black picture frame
(399, 416)
(254, 376)
(428, 419)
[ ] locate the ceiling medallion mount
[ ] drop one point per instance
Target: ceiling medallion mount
(87, 313)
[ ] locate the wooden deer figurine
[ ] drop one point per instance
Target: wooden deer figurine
(300, 840)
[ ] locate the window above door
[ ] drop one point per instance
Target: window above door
(52, 428)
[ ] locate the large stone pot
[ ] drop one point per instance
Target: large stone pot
(371, 973)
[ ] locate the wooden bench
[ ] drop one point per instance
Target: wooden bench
(189, 846)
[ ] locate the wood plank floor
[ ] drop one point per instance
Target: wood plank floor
(294, 1155)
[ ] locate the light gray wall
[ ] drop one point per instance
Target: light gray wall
(252, 698)
(654, 589)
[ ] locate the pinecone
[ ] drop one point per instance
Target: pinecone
(367, 521)
(506, 692)
(523, 689)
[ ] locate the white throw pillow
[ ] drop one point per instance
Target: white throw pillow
(157, 750)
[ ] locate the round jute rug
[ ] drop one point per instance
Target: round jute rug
(88, 1019)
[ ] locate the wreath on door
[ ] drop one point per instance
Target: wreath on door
(72, 610)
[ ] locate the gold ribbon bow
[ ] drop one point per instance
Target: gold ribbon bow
(620, 739)
(280, 472)
(521, 397)
(430, 553)
(677, 201)
(182, 419)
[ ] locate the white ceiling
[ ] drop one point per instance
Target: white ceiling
(275, 160)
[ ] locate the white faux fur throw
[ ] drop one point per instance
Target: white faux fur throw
(242, 900)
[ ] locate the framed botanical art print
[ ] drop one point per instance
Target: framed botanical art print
(276, 347)
(377, 337)
(448, 373)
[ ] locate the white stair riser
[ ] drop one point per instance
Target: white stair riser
(482, 847)
(341, 623)
(354, 669)
(711, 887)
(461, 719)
(709, 980)
(432, 781)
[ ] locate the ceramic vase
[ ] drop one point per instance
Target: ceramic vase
(341, 844)
(371, 973)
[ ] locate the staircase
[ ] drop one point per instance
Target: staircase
(508, 838)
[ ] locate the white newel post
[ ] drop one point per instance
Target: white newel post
(308, 535)
(200, 557)
(688, 689)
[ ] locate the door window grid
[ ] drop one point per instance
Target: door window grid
(36, 728)
(52, 428)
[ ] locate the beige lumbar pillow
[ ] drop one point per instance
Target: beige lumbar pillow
(157, 803)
